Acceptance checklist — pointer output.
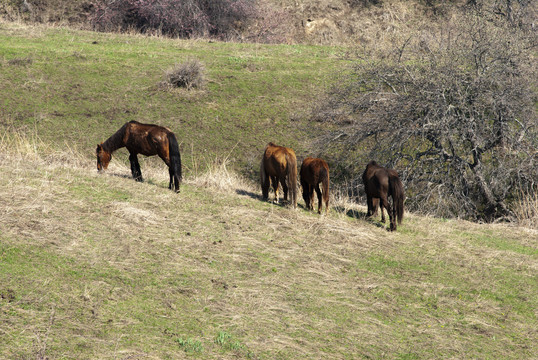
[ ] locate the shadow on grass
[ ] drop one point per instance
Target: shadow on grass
(256, 196)
(352, 213)
(148, 181)
(377, 223)
(356, 214)
(250, 194)
(123, 176)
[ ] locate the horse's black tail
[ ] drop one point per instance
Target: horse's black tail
(175, 160)
(397, 191)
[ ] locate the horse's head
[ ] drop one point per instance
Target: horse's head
(103, 157)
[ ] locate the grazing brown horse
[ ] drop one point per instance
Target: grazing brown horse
(379, 184)
(313, 172)
(278, 165)
(145, 139)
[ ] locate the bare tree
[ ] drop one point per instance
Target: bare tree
(519, 13)
(454, 113)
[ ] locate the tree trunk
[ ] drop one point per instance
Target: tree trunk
(493, 208)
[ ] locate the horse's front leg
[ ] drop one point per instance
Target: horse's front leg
(135, 167)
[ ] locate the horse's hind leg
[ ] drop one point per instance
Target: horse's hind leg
(372, 205)
(393, 217)
(380, 202)
(171, 179)
(311, 197)
(135, 167)
(284, 188)
(177, 181)
(318, 193)
(385, 204)
(274, 180)
(326, 198)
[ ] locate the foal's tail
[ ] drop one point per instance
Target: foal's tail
(175, 159)
(292, 177)
(397, 190)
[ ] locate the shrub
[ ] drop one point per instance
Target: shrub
(190, 74)
(73, 11)
(455, 113)
(268, 24)
(183, 18)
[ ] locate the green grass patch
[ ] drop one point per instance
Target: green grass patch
(190, 345)
(80, 87)
(497, 241)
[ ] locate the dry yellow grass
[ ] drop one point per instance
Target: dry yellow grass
(527, 210)
(99, 266)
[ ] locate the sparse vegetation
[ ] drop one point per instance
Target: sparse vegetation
(189, 75)
(190, 345)
(526, 209)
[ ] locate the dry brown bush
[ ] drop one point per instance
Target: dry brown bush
(189, 74)
(454, 112)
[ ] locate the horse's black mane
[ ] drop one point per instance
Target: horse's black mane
(114, 142)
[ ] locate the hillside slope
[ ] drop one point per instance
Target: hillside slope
(99, 266)
(76, 88)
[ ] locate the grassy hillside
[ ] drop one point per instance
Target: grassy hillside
(74, 89)
(97, 266)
